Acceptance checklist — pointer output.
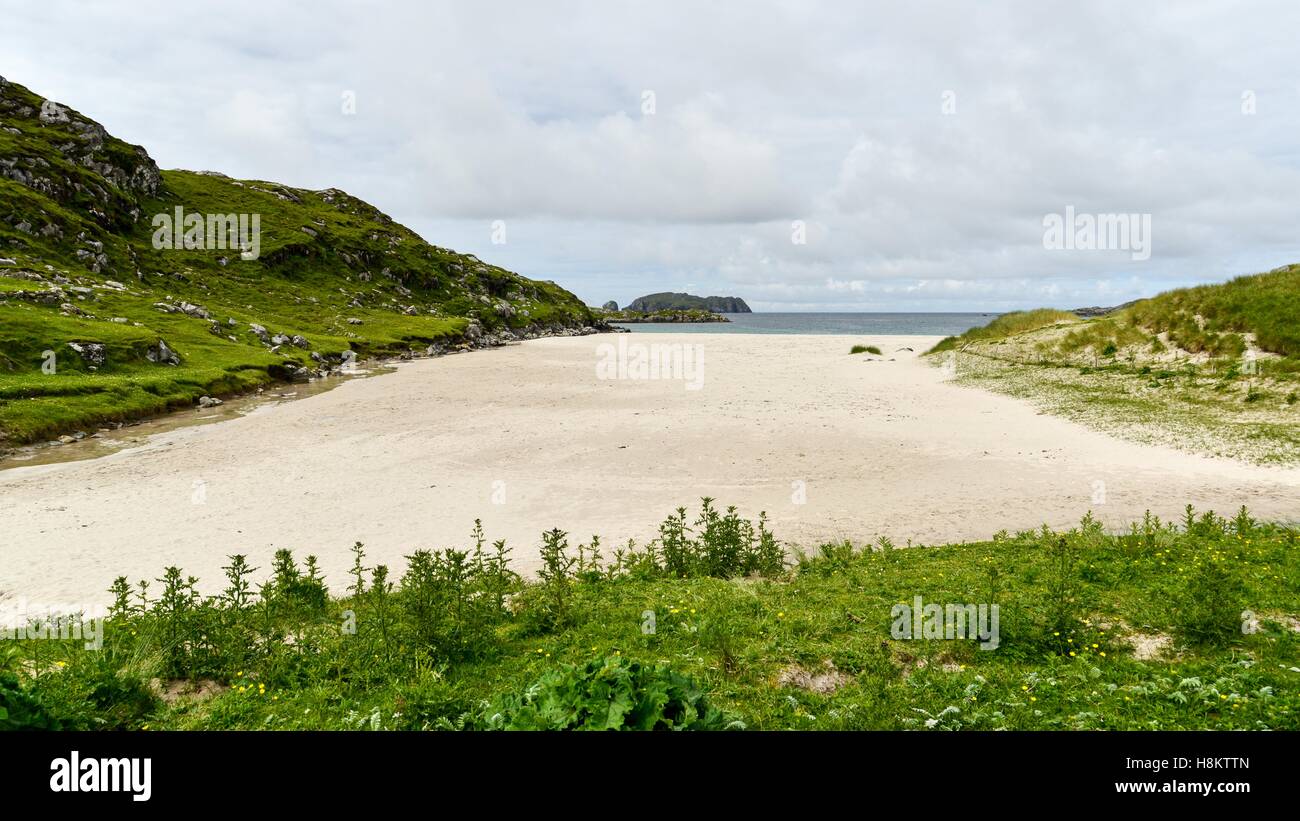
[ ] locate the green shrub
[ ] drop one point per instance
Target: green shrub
(1211, 602)
(720, 545)
(612, 693)
(20, 709)
(1064, 594)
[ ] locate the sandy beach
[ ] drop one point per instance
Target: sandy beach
(531, 437)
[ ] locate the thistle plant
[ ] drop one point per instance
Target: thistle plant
(238, 593)
(556, 577)
(121, 609)
(358, 571)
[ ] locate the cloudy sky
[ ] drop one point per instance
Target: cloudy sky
(914, 147)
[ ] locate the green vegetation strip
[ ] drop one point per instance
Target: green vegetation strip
(1163, 626)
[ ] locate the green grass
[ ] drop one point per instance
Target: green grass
(871, 349)
(1207, 369)
(1007, 325)
(1265, 305)
(11, 285)
(459, 641)
(1191, 411)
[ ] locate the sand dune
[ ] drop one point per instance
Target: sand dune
(528, 437)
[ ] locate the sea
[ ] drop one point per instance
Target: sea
(945, 324)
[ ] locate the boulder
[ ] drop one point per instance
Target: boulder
(92, 353)
(196, 311)
(160, 354)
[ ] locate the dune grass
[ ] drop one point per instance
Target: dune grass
(1266, 305)
(1209, 369)
(1007, 325)
(871, 349)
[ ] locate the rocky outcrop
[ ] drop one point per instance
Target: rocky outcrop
(78, 164)
(686, 302)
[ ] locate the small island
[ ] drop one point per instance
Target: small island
(672, 307)
(688, 302)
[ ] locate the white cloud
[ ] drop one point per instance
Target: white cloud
(829, 113)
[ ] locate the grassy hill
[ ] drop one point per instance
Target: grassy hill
(98, 323)
(1215, 368)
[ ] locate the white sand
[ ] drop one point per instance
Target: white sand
(408, 460)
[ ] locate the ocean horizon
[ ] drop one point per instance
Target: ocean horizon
(893, 324)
